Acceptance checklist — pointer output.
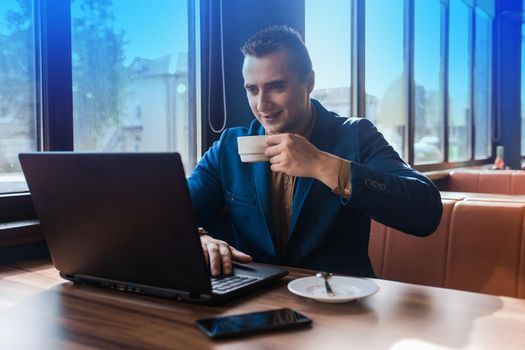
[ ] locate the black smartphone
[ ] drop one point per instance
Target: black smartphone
(254, 322)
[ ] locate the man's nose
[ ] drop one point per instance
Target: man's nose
(262, 102)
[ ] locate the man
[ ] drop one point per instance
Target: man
(310, 206)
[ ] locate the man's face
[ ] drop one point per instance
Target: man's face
(278, 99)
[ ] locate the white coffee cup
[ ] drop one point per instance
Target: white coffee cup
(251, 148)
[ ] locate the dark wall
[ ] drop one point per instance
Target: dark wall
(240, 20)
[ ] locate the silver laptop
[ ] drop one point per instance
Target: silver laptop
(125, 221)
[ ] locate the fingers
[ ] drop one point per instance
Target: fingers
(206, 256)
(279, 144)
(215, 259)
(277, 159)
(226, 258)
(240, 256)
(277, 168)
(272, 140)
(272, 151)
(219, 255)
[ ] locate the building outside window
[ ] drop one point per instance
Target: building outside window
(385, 77)
(482, 84)
(131, 82)
(429, 82)
(459, 79)
(523, 88)
(328, 38)
(19, 93)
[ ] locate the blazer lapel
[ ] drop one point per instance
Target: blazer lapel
(261, 177)
(323, 140)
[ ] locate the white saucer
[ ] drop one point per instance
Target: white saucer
(345, 288)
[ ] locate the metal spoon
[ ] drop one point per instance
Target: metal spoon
(325, 276)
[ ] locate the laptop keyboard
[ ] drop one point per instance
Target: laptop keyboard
(224, 284)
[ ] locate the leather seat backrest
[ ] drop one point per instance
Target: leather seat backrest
(517, 185)
(376, 246)
(496, 181)
(510, 182)
(463, 181)
(484, 247)
(420, 260)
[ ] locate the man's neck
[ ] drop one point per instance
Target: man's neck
(305, 128)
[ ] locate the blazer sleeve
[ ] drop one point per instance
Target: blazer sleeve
(205, 183)
(387, 190)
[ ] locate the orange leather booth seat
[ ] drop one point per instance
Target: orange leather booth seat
(487, 181)
(479, 246)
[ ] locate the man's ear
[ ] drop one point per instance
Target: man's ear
(310, 82)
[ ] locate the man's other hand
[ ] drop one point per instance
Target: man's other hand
(219, 255)
(294, 155)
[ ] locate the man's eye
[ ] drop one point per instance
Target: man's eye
(251, 91)
(277, 87)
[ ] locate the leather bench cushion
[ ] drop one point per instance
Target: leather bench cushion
(420, 260)
(484, 247)
(376, 246)
(457, 196)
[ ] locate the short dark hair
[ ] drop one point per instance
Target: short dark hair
(276, 38)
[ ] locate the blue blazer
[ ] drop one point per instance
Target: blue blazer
(326, 232)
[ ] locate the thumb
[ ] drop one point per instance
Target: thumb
(240, 256)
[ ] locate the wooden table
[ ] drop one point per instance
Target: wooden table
(39, 310)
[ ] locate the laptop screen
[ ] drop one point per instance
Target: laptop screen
(120, 216)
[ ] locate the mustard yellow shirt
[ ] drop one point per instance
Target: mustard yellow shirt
(282, 187)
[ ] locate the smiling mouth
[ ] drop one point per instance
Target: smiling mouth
(272, 116)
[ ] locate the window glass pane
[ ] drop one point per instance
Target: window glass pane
(130, 77)
(385, 81)
(429, 96)
(326, 23)
(482, 84)
(459, 128)
(523, 89)
(18, 94)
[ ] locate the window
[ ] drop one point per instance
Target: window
(523, 89)
(327, 36)
(385, 77)
(19, 95)
(131, 77)
(428, 77)
(459, 78)
(482, 84)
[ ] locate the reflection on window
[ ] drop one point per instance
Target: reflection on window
(429, 96)
(459, 125)
(130, 76)
(523, 89)
(327, 36)
(482, 84)
(385, 81)
(18, 96)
